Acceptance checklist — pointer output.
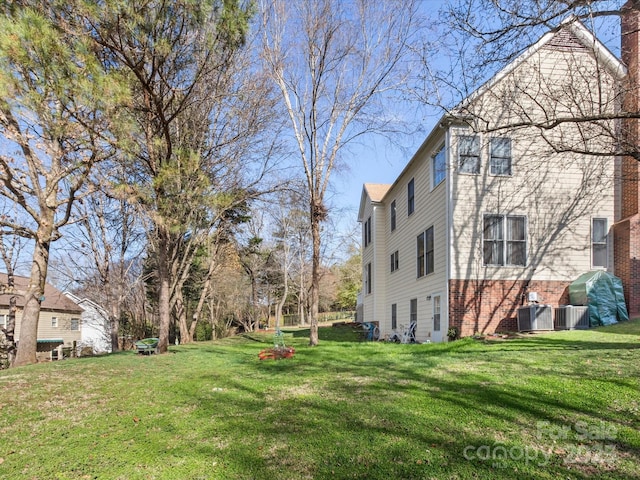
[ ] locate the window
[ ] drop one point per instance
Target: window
(500, 161)
(413, 310)
(394, 316)
(3, 321)
(75, 324)
(393, 215)
(394, 261)
(599, 242)
(367, 278)
(54, 322)
(428, 260)
(425, 253)
(505, 240)
(469, 154)
(436, 313)
(439, 167)
(367, 232)
(420, 255)
(410, 197)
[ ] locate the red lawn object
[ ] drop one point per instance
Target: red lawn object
(276, 353)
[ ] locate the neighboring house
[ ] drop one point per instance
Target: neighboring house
(484, 219)
(59, 326)
(96, 328)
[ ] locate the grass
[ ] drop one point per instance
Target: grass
(559, 405)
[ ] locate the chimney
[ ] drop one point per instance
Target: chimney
(627, 228)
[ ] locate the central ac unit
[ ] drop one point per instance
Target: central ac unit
(535, 317)
(570, 317)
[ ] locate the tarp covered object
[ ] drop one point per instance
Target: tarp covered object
(602, 292)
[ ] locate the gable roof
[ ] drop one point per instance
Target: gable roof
(54, 299)
(375, 192)
(571, 34)
(87, 304)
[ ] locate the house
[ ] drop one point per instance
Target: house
(96, 328)
(60, 325)
(504, 203)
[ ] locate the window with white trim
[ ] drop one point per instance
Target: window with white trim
(439, 166)
(599, 231)
(425, 253)
(394, 316)
(413, 310)
(367, 278)
(54, 322)
(3, 321)
(469, 154)
(393, 215)
(505, 240)
(410, 197)
(367, 232)
(394, 261)
(500, 156)
(75, 324)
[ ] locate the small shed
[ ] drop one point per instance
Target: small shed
(602, 293)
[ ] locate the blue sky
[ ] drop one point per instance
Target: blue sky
(379, 162)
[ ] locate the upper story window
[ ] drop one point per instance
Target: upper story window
(599, 242)
(394, 261)
(3, 321)
(469, 154)
(425, 253)
(439, 166)
(410, 197)
(75, 324)
(505, 240)
(54, 322)
(500, 156)
(366, 231)
(393, 215)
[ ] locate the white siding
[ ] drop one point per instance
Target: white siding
(558, 192)
(430, 211)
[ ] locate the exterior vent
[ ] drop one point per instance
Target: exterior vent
(569, 317)
(535, 317)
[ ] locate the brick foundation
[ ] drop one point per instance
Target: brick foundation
(489, 306)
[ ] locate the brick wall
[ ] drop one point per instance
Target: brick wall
(489, 306)
(627, 228)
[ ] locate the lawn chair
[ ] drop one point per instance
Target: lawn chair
(408, 334)
(372, 332)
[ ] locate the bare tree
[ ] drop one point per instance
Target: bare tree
(109, 232)
(334, 63)
(10, 248)
(590, 114)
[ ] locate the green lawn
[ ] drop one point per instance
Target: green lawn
(560, 405)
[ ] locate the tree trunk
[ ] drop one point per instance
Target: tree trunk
(28, 341)
(181, 315)
(10, 329)
(315, 281)
(164, 286)
(282, 301)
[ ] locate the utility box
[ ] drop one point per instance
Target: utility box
(571, 317)
(535, 317)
